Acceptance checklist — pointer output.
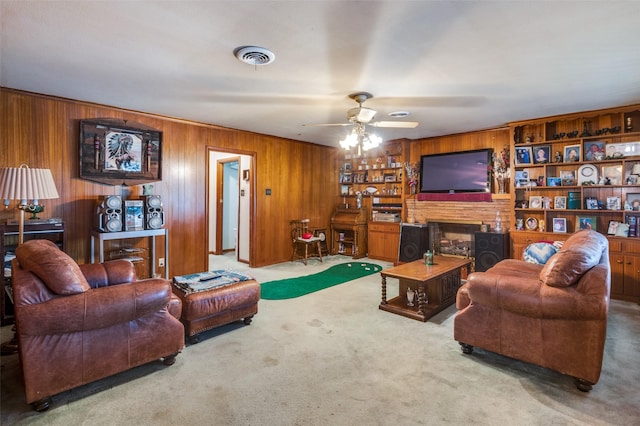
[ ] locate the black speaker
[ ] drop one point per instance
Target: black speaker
(153, 212)
(490, 248)
(110, 214)
(414, 242)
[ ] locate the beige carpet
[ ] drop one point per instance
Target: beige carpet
(333, 358)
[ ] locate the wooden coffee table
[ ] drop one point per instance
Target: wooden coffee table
(435, 286)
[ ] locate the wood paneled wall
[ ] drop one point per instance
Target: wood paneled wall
(43, 131)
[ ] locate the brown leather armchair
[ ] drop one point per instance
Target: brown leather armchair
(552, 315)
(79, 323)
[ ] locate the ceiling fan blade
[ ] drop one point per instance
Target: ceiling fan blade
(396, 124)
(328, 124)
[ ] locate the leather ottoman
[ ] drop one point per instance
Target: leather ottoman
(207, 309)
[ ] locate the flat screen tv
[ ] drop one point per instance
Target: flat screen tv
(466, 171)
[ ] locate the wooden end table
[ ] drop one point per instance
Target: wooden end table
(435, 286)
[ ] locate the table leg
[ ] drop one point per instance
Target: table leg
(384, 290)
(421, 298)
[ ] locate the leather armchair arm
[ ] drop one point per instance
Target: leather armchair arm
(95, 308)
(109, 273)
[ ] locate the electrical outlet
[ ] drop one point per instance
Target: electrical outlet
(161, 262)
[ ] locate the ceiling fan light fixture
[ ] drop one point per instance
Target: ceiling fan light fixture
(254, 55)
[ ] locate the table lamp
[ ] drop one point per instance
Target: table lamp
(24, 183)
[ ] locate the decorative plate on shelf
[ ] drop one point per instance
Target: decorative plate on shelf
(531, 223)
(587, 174)
(371, 189)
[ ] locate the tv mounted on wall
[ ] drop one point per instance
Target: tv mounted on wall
(455, 172)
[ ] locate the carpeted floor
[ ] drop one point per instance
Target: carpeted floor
(333, 358)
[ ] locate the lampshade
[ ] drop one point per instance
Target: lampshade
(360, 138)
(23, 183)
(636, 169)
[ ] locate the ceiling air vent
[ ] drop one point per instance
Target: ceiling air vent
(254, 55)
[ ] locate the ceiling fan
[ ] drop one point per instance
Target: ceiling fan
(363, 115)
(360, 117)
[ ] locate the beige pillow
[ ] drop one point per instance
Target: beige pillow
(54, 267)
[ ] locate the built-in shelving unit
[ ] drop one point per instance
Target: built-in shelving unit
(580, 171)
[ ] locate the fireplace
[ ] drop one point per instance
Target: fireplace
(453, 237)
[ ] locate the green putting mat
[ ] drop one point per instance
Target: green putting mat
(296, 287)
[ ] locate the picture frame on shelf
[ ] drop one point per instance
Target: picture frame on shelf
(531, 223)
(594, 151)
(345, 178)
(591, 203)
(347, 167)
(633, 200)
(344, 190)
(620, 150)
(560, 202)
(524, 155)
(542, 154)
(535, 202)
(613, 203)
(613, 227)
(572, 153)
(568, 177)
(612, 175)
(560, 225)
(586, 222)
(554, 181)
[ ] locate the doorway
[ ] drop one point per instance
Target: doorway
(230, 203)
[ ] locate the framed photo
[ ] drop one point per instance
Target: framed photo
(554, 181)
(572, 153)
(619, 150)
(531, 223)
(586, 222)
(591, 203)
(344, 190)
(594, 151)
(535, 202)
(114, 151)
(345, 178)
(559, 224)
(633, 200)
(560, 202)
(568, 177)
(613, 227)
(347, 167)
(134, 215)
(612, 175)
(541, 154)
(523, 155)
(613, 203)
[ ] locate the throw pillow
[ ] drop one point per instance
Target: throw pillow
(54, 267)
(581, 252)
(539, 253)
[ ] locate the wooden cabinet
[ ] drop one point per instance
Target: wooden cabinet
(8, 243)
(624, 255)
(383, 241)
(349, 232)
(375, 178)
